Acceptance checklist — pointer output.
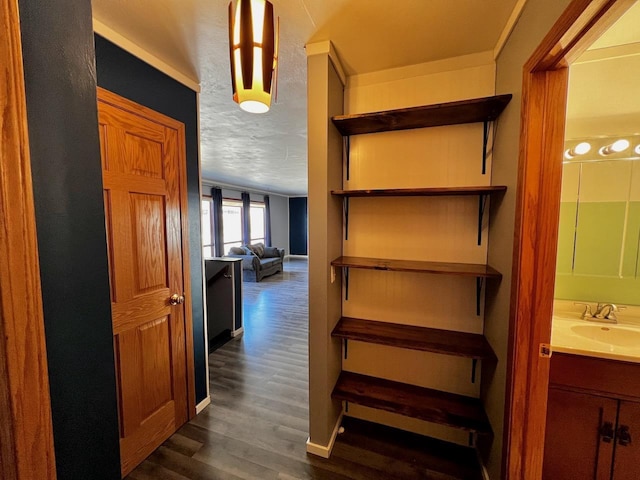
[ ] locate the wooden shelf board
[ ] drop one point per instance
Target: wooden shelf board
(426, 404)
(451, 113)
(422, 192)
(462, 269)
(425, 339)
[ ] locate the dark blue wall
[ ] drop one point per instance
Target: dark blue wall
(60, 78)
(298, 225)
(126, 75)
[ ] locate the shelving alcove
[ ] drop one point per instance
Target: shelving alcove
(453, 410)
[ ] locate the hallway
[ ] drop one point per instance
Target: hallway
(257, 424)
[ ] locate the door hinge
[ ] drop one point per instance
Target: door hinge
(545, 350)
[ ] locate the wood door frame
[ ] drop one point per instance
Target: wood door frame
(544, 93)
(26, 431)
(127, 105)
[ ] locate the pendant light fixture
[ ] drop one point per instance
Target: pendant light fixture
(253, 47)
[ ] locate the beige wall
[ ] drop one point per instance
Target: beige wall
(603, 97)
(325, 99)
(537, 19)
(432, 229)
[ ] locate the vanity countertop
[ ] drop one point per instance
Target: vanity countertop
(571, 334)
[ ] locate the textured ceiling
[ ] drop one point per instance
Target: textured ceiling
(269, 152)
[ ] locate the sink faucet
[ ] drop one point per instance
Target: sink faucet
(588, 313)
(606, 312)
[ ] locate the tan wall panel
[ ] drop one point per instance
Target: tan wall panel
(437, 301)
(605, 181)
(428, 157)
(409, 424)
(378, 91)
(425, 369)
(324, 100)
(437, 229)
(570, 182)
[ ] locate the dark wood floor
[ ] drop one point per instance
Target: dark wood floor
(257, 424)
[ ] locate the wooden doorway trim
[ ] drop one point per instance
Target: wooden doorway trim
(544, 96)
(26, 432)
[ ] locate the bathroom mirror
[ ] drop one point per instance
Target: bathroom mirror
(599, 227)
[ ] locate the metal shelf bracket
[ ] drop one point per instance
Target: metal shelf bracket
(485, 141)
(479, 283)
(345, 273)
(347, 151)
(345, 206)
(482, 203)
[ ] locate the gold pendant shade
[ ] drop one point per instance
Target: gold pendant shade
(253, 48)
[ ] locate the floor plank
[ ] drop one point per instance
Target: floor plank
(257, 423)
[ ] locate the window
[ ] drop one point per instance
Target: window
(207, 228)
(231, 224)
(256, 219)
(232, 221)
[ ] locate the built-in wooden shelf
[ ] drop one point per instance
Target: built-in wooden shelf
(458, 411)
(447, 342)
(422, 192)
(451, 113)
(463, 269)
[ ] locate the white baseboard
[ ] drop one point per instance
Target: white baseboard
(485, 473)
(203, 404)
(321, 450)
(237, 333)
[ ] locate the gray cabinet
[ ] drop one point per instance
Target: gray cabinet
(223, 278)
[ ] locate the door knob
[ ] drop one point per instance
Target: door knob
(176, 299)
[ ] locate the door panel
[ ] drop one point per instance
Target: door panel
(574, 448)
(149, 234)
(143, 222)
(627, 458)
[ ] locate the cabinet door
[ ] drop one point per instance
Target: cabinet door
(579, 439)
(627, 457)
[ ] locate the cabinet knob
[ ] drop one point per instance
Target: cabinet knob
(606, 432)
(624, 435)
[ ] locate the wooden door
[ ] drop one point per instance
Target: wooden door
(141, 152)
(627, 457)
(577, 442)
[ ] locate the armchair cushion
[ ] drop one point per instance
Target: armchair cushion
(258, 249)
(271, 252)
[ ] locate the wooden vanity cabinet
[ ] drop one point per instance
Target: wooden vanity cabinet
(593, 423)
(627, 457)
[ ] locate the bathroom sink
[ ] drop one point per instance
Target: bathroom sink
(610, 334)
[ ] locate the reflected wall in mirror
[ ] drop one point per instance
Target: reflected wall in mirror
(599, 231)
